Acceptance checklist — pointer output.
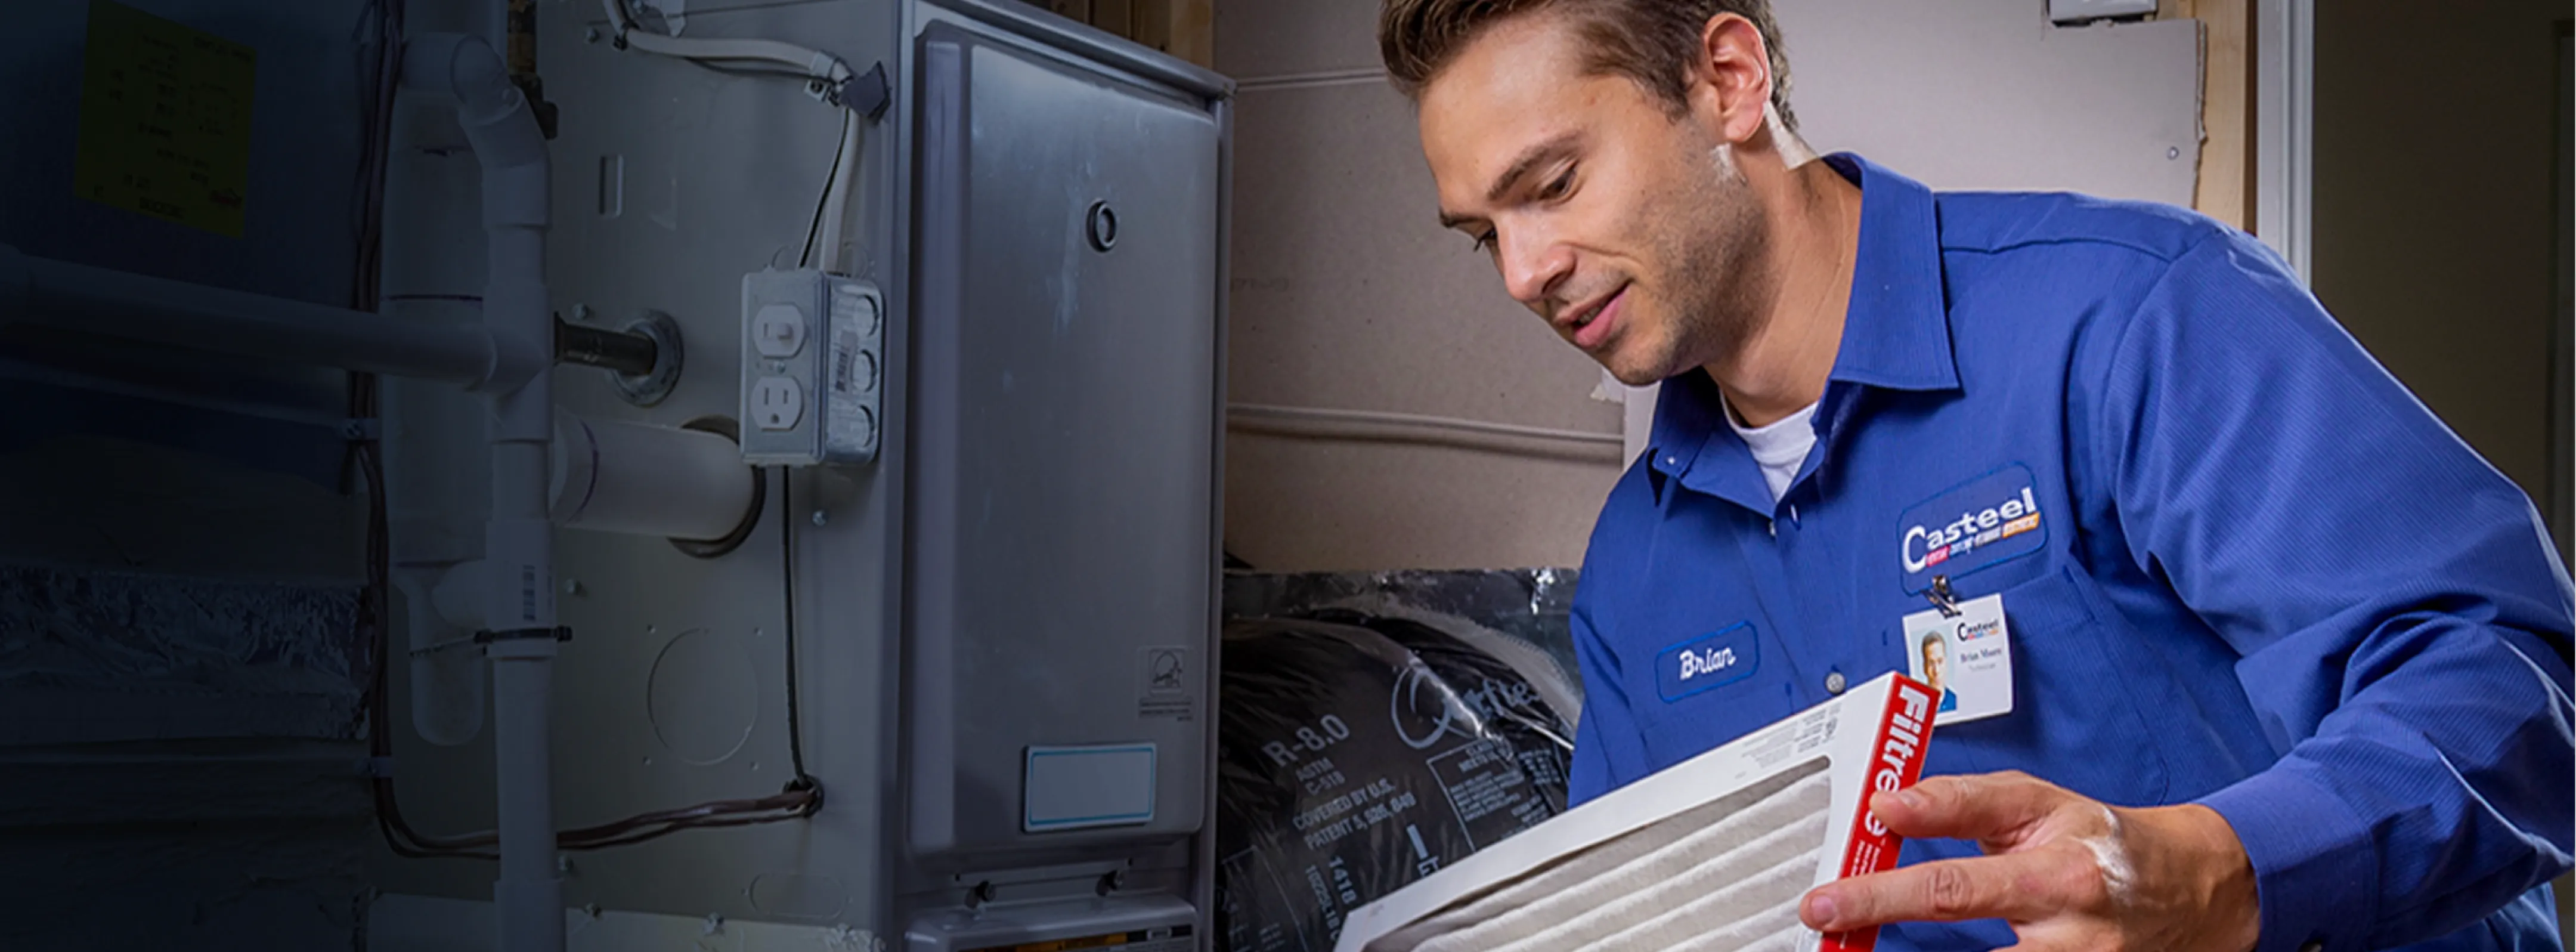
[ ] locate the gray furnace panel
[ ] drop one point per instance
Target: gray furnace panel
(1063, 452)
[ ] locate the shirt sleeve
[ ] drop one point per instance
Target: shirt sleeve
(1608, 749)
(2402, 616)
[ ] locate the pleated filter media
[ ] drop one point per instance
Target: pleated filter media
(1709, 855)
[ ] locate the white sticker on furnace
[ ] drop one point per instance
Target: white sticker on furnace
(1966, 659)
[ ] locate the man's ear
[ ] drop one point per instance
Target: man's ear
(1729, 86)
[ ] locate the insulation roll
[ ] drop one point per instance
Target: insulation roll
(640, 479)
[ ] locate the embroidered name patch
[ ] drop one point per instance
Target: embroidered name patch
(1706, 662)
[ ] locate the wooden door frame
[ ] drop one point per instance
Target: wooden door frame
(2257, 72)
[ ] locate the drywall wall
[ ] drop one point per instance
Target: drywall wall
(1346, 294)
(2433, 221)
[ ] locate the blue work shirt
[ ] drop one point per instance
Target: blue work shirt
(2263, 577)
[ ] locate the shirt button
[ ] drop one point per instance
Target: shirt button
(1834, 682)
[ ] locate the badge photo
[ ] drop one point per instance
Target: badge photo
(1965, 655)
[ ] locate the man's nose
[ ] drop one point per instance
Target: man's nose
(1533, 264)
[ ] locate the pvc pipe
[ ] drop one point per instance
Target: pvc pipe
(634, 478)
(446, 673)
(456, 595)
(529, 893)
(159, 310)
(517, 571)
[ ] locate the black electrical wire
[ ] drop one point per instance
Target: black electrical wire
(820, 84)
(813, 229)
(802, 797)
(787, 575)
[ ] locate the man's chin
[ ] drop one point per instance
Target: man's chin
(1629, 370)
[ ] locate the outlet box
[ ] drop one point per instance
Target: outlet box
(813, 355)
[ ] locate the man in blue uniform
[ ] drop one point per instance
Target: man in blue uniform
(2283, 664)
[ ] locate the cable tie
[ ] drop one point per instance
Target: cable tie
(556, 633)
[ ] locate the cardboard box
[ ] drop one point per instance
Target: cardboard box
(1712, 853)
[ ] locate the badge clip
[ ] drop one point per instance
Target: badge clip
(1942, 598)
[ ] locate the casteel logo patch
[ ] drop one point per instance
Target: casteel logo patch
(1991, 519)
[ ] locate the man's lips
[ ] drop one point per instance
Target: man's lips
(1592, 324)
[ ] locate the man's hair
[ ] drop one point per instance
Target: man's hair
(1650, 41)
(1935, 638)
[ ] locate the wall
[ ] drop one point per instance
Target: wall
(1348, 295)
(2433, 227)
(181, 730)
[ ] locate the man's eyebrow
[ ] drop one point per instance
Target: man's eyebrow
(1530, 160)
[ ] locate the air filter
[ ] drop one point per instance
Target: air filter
(1709, 855)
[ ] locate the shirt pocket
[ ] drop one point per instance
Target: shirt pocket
(1700, 691)
(2076, 720)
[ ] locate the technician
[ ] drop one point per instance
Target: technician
(2288, 662)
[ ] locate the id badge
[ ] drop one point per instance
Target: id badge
(1966, 660)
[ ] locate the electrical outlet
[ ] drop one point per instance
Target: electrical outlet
(813, 369)
(780, 330)
(777, 403)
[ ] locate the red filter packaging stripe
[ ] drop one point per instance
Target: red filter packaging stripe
(1903, 730)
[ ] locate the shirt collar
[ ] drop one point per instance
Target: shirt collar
(1896, 335)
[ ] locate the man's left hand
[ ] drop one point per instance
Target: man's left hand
(2065, 871)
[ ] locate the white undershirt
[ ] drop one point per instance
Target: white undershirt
(1781, 447)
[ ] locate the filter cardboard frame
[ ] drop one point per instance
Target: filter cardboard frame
(1872, 738)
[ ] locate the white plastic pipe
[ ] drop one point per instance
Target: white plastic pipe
(437, 489)
(529, 893)
(639, 479)
(518, 550)
(446, 673)
(138, 307)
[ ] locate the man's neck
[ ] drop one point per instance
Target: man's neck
(1782, 369)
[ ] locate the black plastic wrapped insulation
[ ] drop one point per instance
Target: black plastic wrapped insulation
(1358, 754)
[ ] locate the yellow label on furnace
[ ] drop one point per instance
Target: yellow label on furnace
(165, 120)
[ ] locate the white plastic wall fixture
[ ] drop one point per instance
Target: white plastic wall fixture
(2079, 11)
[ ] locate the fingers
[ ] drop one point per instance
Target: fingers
(1981, 807)
(2014, 886)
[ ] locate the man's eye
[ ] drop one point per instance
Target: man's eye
(1560, 186)
(1485, 243)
